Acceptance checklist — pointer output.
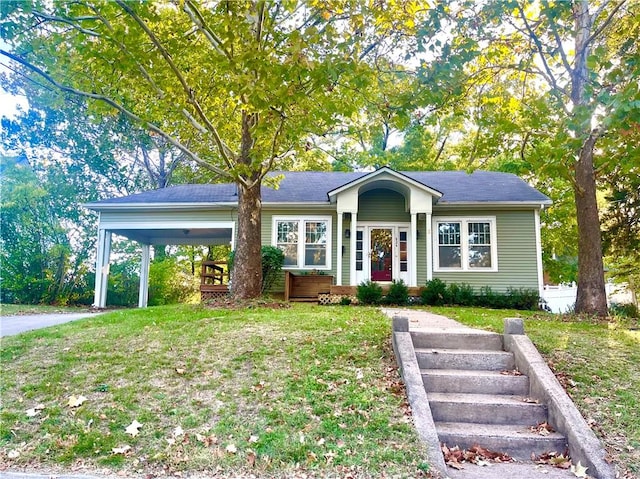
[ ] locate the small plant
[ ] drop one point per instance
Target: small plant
(345, 301)
(624, 310)
(462, 294)
(522, 298)
(435, 293)
(369, 292)
(398, 293)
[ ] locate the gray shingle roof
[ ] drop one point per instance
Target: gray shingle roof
(457, 187)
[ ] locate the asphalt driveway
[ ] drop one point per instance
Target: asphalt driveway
(10, 325)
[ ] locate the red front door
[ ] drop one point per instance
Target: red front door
(381, 254)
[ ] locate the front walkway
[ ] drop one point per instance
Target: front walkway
(11, 325)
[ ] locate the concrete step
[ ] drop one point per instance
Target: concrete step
(457, 340)
(478, 382)
(486, 409)
(516, 440)
(464, 359)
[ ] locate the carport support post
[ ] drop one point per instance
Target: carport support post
(143, 294)
(102, 268)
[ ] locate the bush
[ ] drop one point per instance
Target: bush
(435, 293)
(626, 310)
(369, 292)
(462, 294)
(398, 293)
(526, 299)
(169, 283)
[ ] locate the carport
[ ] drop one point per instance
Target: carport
(182, 215)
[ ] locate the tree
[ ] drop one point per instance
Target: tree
(565, 84)
(235, 86)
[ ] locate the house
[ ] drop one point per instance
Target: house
(481, 228)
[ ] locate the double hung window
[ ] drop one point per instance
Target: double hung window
(465, 244)
(304, 241)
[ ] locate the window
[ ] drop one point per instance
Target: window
(305, 242)
(465, 244)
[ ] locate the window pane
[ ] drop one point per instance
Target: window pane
(315, 248)
(479, 245)
(449, 233)
(479, 256)
(288, 241)
(449, 257)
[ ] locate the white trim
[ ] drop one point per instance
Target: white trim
(464, 243)
(145, 263)
(302, 219)
(167, 224)
(413, 235)
(339, 251)
(352, 252)
(102, 268)
(536, 216)
(429, 248)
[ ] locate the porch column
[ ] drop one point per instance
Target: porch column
(143, 293)
(429, 249)
(339, 251)
(102, 268)
(413, 279)
(352, 252)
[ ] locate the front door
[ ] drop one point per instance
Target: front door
(381, 254)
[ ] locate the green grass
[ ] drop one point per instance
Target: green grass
(307, 390)
(597, 362)
(15, 309)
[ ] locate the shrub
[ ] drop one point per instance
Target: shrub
(624, 310)
(345, 301)
(435, 293)
(369, 292)
(462, 294)
(522, 298)
(398, 293)
(169, 283)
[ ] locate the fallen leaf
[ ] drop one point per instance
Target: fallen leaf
(579, 470)
(320, 441)
(253, 438)
(13, 454)
(178, 431)
(180, 371)
(231, 449)
(32, 412)
(251, 459)
(133, 428)
(76, 401)
(121, 450)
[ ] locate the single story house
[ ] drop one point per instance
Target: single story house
(480, 228)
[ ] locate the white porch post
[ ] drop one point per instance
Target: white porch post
(352, 252)
(102, 268)
(413, 279)
(339, 251)
(429, 249)
(143, 293)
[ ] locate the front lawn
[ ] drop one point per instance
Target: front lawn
(597, 362)
(271, 392)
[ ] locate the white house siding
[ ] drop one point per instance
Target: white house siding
(517, 267)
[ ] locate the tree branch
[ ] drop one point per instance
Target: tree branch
(556, 36)
(607, 21)
(224, 150)
(196, 17)
(67, 21)
(128, 113)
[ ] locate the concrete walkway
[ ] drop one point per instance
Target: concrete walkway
(426, 321)
(11, 325)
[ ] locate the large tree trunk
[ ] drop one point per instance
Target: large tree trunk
(591, 298)
(247, 263)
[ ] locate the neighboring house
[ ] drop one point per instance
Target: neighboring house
(481, 228)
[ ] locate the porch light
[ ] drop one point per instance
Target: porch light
(347, 233)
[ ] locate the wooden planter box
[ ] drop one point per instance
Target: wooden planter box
(305, 287)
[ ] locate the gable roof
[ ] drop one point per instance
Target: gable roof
(313, 187)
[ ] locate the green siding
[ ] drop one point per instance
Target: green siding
(422, 251)
(383, 206)
(146, 217)
(517, 262)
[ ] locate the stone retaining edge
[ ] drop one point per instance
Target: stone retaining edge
(584, 446)
(416, 394)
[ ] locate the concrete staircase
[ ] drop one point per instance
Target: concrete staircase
(476, 396)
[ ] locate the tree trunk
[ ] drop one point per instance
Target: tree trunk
(591, 297)
(247, 263)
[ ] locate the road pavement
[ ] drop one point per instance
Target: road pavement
(10, 325)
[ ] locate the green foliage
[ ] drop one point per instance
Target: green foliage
(369, 292)
(272, 262)
(124, 283)
(435, 293)
(169, 284)
(398, 293)
(624, 310)
(438, 293)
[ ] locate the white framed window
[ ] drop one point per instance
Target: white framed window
(306, 242)
(465, 244)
